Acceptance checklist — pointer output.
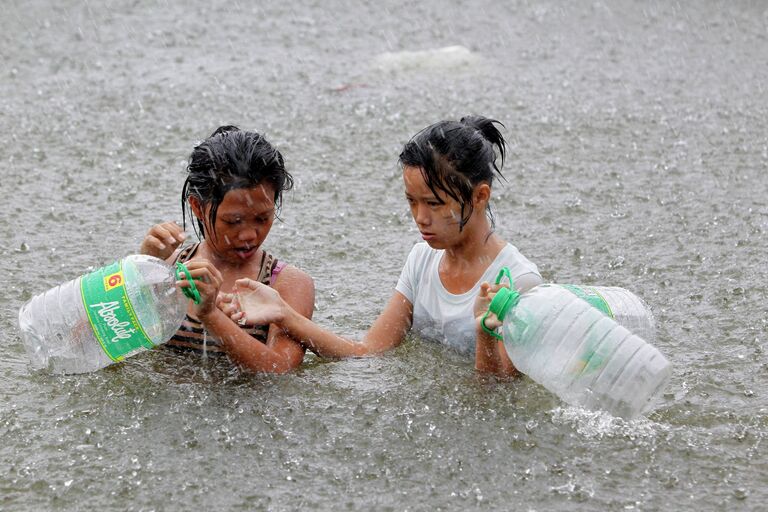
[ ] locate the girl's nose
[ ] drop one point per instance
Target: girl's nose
(421, 215)
(246, 234)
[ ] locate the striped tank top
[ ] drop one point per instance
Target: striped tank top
(191, 336)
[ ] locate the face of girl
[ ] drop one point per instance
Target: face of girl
(437, 217)
(243, 221)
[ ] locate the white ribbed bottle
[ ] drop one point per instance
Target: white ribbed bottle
(580, 354)
(102, 317)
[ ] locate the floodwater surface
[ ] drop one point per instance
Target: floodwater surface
(638, 155)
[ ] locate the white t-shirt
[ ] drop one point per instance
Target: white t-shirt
(441, 316)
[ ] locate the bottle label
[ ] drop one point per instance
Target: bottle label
(594, 357)
(590, 295)
(111, 314)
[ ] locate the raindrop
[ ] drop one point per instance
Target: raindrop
(617, 262)
(740, 493)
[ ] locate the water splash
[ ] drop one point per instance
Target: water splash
(601, 425)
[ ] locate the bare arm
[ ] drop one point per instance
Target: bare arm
(387, 331)
(281, 353)
(490, 354)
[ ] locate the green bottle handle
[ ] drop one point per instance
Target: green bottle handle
(191, 292)
(504, 300)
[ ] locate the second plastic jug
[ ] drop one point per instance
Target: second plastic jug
(579, 353)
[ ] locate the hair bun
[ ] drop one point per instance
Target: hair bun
(487, 128)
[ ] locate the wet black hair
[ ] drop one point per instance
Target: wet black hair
(231, 159)
(454, 157)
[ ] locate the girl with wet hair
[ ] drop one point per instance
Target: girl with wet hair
(443, 290)
(234, 187)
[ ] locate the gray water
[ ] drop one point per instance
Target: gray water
(638, 158)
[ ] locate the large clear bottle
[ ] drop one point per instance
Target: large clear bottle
(620, 304)
(582, 355)
(103, 317)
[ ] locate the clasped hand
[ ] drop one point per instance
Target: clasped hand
(207, 281)
(483, 301)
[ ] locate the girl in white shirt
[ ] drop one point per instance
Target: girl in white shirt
(443, 290)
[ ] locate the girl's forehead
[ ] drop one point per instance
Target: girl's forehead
(416, 185)
(414, 178)
(260, 196)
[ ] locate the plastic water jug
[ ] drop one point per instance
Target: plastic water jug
(105, 316)
(577, 352)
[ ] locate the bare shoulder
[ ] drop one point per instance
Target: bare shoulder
(297, 288)
(290, 277)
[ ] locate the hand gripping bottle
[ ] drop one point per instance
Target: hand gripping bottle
(103, 317)
(577, 352)
(620, 304)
